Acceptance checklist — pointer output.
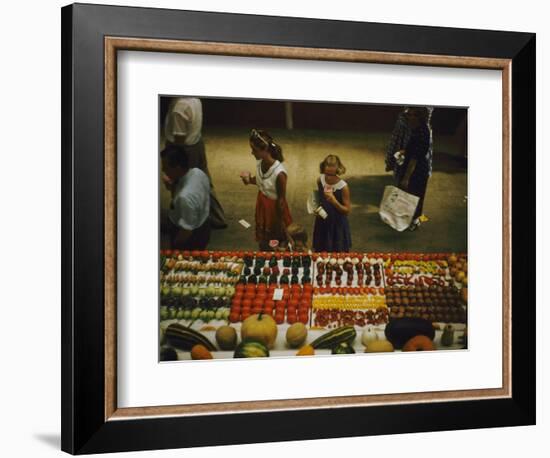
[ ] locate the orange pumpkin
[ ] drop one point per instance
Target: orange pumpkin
(419, 343)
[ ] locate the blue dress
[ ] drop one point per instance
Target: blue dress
(333, 233)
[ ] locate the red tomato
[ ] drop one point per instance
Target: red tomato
(246, 303)
(269, 303)
(236, 303)
(258, 302)
(234, 317)
(279, 319)
(291, 319)
(303, 318)
(249, 295)
(293, 303)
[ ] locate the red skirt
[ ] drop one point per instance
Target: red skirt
(268, 223)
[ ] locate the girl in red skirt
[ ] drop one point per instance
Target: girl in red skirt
(272, 213)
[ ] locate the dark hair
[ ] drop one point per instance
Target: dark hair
(332, 159)
(175, 155)
(261, 139)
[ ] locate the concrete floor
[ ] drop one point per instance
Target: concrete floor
(363, 155)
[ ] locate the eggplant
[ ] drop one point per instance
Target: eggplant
(398, 331)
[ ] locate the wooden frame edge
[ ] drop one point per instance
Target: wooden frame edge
(111, 46)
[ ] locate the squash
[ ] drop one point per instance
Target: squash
(168, 354)
(260, 327)
(251, 349)
(343, 349)
(185, 338)
(306, 350)
(226, 336)
(332, 338)
(398, 331)
(296, 335)
(368, 335)
(200, 352)
(419, 343)
(379, 346)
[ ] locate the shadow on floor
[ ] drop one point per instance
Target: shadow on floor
(448, 163)
(50, 439)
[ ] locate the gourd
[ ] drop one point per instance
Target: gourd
(186, 338)
(379, 346)
(419, 343)
(400, 330)
(332, 338)
(296, 335)
(168, 354)
(306, 350)
(226, 336)
(251, 349)
(368, 335)
(200, 352)
(260, 327)
(343, 349)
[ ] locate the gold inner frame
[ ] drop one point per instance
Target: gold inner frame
(114, 44)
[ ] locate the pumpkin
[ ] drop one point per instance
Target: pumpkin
(296, 335)
(419, 343)
(260, 327)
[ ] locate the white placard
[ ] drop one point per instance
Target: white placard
(142, 381)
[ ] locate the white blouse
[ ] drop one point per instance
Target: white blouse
(267, 182)
(335, 187)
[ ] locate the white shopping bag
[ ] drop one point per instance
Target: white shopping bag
(397, 208)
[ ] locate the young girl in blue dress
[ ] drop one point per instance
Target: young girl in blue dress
(332, 233)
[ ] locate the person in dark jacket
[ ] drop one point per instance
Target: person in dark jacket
(414, 174)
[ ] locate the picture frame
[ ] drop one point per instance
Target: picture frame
(91, 37)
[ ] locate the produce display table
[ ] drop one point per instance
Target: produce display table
(204, 291)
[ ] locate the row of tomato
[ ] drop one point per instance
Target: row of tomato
(294, 305)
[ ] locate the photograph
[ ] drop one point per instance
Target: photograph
(310, 228)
